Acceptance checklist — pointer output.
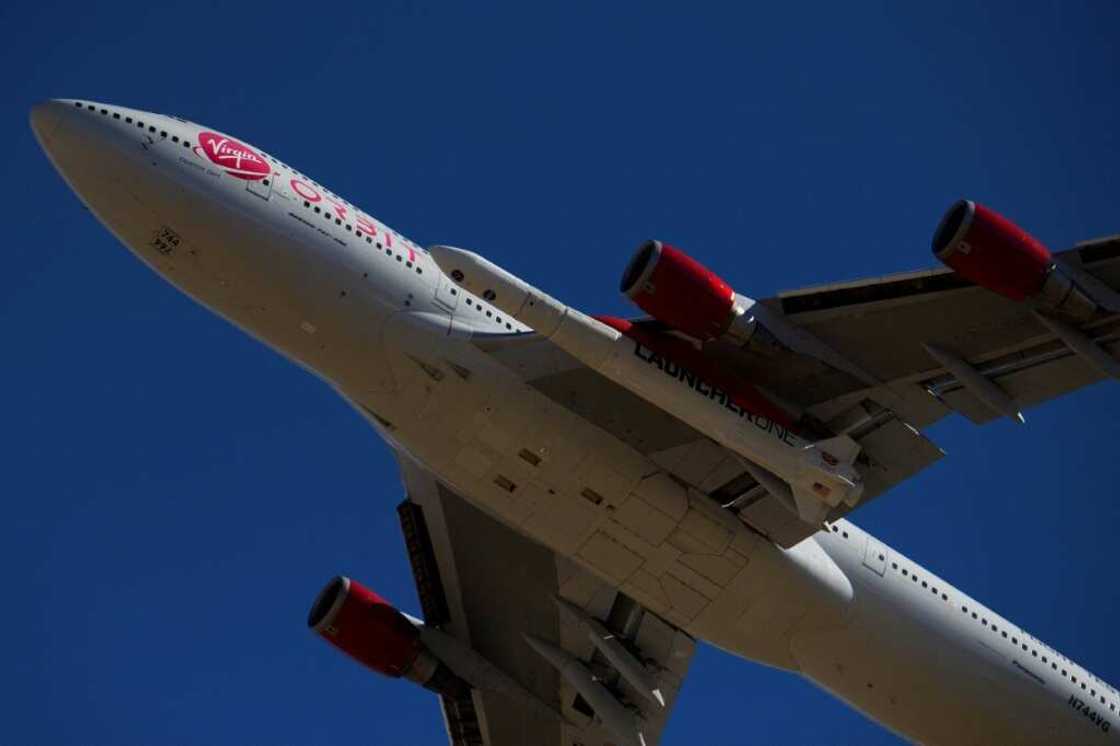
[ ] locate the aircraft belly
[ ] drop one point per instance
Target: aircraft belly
(325, 315)
(823, 608)
(538, 467)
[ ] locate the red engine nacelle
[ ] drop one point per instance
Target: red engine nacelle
(674, 288)
(373, 632)
(981, 245)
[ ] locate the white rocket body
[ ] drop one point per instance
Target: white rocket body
(820, 474)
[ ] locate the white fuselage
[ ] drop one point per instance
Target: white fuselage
(369, 312)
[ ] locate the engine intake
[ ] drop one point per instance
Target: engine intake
(373, 632)
(986, 248)
(679, 291)
(981, 245)
(674, 288)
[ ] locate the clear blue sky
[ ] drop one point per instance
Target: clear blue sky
(174, 494)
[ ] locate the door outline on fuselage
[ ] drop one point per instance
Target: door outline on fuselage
(875, 556)
(261, 187)
(446, 294)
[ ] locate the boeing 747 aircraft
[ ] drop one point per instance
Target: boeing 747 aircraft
(585, 497)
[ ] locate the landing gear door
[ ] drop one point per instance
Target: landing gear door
(875, 556)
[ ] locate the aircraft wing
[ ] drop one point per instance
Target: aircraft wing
(493, 590)
(886, 325)
(899, 343)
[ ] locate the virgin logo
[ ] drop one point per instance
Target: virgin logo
(238, 159)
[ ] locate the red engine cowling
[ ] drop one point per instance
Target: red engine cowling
(981, 245)
(674, 288)
(373, 632)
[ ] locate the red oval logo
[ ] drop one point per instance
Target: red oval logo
(237, 158)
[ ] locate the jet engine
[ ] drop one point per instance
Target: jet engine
(986, 248)
(674, 288)
(679, 291)
(373, 632)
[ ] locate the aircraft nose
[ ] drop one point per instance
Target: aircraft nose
(100, 153)
(46, 116)
(87, 143)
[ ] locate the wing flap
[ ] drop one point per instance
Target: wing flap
(895, 451)
(1029, 376)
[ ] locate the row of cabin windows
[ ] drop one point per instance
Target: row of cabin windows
(471, 303)
(914, 577)
(1013, 638)
(489, 314)
(1046, 659)
(307, 204)
(369, 239)
(995, 629)
(326, 191)
(186, 143)
(175, 138)
(128, 120)
(329, 193)
(308, 179)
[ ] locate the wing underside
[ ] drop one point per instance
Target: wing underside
(509, 598)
